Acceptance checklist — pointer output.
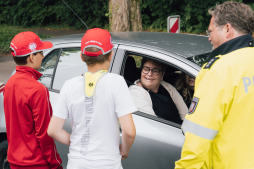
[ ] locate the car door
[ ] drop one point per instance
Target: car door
(158, 142)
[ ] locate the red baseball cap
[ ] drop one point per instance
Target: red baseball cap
(26, 43)
(99, 38)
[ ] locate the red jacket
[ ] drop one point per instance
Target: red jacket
(27, 114)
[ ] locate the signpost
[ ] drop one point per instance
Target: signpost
(173, 24)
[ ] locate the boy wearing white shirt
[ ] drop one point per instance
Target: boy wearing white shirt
(95, 103)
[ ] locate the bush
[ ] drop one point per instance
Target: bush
(193, 13)
(28, 13)
(6, 35)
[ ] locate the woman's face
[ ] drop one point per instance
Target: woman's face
(190, 81)
(149, 79)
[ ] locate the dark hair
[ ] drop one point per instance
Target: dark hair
(22, 60)
(181, 85)
(162, 66)
(239, 15)
(94, 60)
(183, 88)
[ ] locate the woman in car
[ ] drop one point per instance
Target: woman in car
(154, 96)
(185, 86)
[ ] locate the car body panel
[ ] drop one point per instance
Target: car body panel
(153, 136)
(2, 117)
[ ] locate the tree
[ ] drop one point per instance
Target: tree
(125, 15)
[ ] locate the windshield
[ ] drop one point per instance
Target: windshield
(199, 59)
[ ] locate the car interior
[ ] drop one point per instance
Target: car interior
(132, 71)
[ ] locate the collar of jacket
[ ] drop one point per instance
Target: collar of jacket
(29, 71)
(234, 44)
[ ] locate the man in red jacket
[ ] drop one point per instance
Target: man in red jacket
(28, 109)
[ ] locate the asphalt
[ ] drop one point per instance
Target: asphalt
(7, 66)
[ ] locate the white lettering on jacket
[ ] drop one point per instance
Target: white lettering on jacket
(247, 83)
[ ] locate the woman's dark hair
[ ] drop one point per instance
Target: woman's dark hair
(182, 88)
(162, 66)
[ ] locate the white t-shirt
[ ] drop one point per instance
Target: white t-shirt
(95, 133)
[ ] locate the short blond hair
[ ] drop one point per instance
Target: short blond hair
(90, 61)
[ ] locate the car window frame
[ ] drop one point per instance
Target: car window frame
(143, 114)
(54, 70)
(60, 47)
(167, 58)
(158, 119)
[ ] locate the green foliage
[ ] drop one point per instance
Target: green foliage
(7, 33)
(193, 13)
(41, 13)
(29, 13)
(155, 13)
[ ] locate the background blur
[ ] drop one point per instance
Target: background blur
(50, 18)
(18, 14)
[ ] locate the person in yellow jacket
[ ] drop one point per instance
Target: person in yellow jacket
(219, 126)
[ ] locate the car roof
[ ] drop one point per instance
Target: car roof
(186, 45)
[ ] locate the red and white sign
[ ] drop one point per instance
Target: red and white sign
(2, 88)
(174, 24)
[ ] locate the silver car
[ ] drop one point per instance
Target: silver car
(158, 141)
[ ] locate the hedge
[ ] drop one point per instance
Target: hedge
(41, 13)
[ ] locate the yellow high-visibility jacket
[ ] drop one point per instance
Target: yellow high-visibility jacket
(219, 128)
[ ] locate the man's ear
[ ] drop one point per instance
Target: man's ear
(30, 59)
(230, 31)
(82, 57)
(110, 56)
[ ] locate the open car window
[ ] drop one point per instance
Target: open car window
(131, 70)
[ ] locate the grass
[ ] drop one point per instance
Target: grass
(7, 33)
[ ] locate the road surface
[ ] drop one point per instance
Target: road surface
(7, 65)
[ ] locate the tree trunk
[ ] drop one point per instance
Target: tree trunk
(125, 15)
(135, 16)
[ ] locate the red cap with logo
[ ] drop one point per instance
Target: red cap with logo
(99, 38)
(26, 43)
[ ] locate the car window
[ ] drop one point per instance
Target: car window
(200, 59)
(132, 71)
(69, 65)
(137, 60)
(48, 67)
